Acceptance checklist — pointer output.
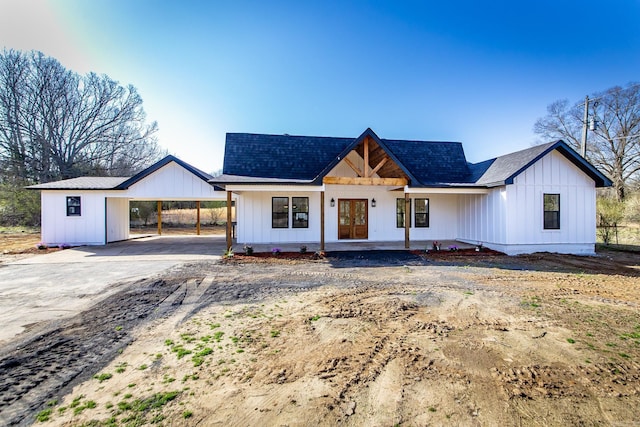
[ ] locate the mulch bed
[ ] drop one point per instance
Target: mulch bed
(431, 254)
(269, 257)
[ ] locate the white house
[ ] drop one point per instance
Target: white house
(322, 190)
(95, 210)
(302, 189)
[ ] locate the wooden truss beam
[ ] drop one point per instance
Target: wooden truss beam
(364, 181)
(382, 162)
(353, 166)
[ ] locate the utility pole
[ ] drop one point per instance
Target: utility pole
(584, 127)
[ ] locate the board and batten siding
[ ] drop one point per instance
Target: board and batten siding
(117, 219)
(553, 174)
(254, 219)
(173, 182)
(254, 216)
(482, 217)
(87, 229)
(511, 218)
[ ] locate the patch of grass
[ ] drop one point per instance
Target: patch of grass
(103, 376)
(218, 336)
(275, 333)
(533, 302)
(432, 409)
(187, 414)
(571, 341)
(624, 355)
(188, 338)
(89, 404)
(44, 415)
(314, 318)
(466, 293)
(168, 342)
(214, 325)
(167, 379)
(142, 367)
(132, 385)
(118, 328)
(121, 368)
(198, 358)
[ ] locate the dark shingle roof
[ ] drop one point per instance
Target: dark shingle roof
(502, 170)
(431, 163)
(256, 158)
(284, 157)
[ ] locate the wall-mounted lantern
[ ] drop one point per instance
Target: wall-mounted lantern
(373, 203)
(333, 202)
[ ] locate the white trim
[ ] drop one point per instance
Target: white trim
(447, 190)
(276, 188)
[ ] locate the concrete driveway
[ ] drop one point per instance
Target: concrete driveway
(48, 287)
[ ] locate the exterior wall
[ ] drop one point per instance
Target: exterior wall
(86, 229)
(254, 216)
(482, 217)
(553, 174)
(172, 182)
(117, 219)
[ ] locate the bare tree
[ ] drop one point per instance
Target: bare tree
(56, 124)
(614, 146)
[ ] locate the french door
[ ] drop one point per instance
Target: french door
(353, 219)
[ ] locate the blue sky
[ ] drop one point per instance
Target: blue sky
(476, 72)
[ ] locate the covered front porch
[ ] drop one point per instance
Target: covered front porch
(419, 245)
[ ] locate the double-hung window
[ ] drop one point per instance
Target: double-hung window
(280, 212)
(551, 211)
(400, 213)
(421, 213)
(300, 210)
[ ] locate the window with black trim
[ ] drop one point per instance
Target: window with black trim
(400, 213)
(279, 212)
(73, 206)
(300, 210)
(551, 211)
(421, 213)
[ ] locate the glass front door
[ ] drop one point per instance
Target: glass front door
(353, 219)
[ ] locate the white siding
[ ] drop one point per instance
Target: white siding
(254, 219)
(254, 216)
(482, 217)
(86, 229)
(173, 182)
(553, 174)
(117, 219)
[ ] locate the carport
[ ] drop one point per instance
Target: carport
(95, 210)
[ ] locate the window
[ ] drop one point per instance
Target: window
(551, 211)
(400, 213)
(422, 213)
(73, 205)
(280, 212)
(300, 210)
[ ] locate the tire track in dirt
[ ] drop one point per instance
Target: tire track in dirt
(45, 367)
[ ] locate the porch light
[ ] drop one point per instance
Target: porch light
(373, 203)
(333, 202)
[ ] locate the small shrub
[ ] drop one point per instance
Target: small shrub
(303, 249)
(102, 377)
(187, 414)
(44, 415)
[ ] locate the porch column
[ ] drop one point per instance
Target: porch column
(159, 217)
(198, 217)
(229, 240)
(322, 220)
(407, 219)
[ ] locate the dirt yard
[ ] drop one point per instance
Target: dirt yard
(365, 339)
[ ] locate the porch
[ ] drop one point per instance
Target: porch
(355, 246)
